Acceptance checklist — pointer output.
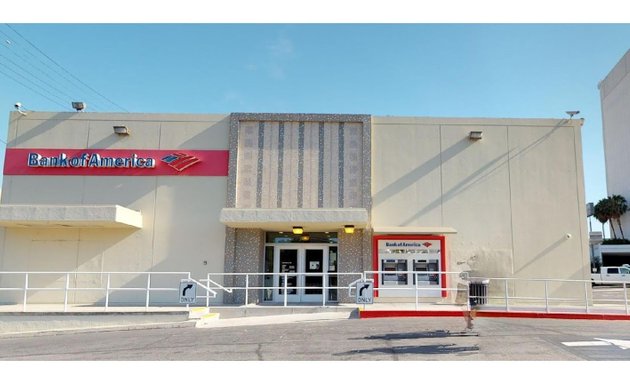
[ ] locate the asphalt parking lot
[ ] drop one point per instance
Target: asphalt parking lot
(389, 339)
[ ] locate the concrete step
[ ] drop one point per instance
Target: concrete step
(264, 310)
(274, 319)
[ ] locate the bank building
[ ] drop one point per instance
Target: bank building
(295, 207)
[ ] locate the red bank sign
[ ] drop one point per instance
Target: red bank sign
(118, 162)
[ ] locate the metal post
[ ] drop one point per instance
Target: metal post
(188, 305)
(324, 289)
(468, 306)
(25, 292)
(285, 289)
(246, 289)
(65, 296)
(146, 304)
(107, 291)
(625, 298)
(416, 278)
(207, 291)
(586, 295)
(507, 307)
(546, 297)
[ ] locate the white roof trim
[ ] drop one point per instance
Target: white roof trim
(319, 219)
(416, 230)
(73, 216)
(614, 248)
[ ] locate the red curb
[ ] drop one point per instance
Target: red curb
(522, 315)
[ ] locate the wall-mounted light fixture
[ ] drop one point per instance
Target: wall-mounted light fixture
(348, 229)
(78, 105)
(121, 130)
(298, 230)
(475, 135)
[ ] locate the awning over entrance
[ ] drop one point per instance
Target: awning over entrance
(416, 230)
(311, 220)
(69, 216)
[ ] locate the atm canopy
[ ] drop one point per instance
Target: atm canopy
(415, 230)
(69, 216)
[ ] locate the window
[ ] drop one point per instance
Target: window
(311, 237)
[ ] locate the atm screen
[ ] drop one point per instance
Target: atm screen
(394, 265)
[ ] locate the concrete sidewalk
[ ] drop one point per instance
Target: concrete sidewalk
(51, 319)
(15, 324)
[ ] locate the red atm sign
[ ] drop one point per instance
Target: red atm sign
(110, 162)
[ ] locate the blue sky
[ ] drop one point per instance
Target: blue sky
(442, 70)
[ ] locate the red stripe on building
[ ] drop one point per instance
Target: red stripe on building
(210, 163)
(368, 314)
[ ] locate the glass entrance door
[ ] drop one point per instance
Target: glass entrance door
(313, 268)
(304, 265)
(287, 263)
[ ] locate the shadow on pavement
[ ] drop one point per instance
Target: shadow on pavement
(417, 335)
(435, 349)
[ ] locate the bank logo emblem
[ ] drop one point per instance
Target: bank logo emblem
(180, 161)
(427, 244)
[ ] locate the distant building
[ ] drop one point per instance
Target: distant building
(225, 193)
(615, 100)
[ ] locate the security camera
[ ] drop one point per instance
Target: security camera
(572, 113)
(18, 107)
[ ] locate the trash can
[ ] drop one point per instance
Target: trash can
(478, 291)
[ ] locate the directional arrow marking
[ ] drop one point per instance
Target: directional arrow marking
(623, 344)
(363, 288)
(189, 286)
(585, 343)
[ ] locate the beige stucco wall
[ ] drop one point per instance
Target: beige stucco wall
(180, 230)
(512, 196)
(615, 99)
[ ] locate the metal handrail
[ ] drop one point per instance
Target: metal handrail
(417, 287)
(148, 288)
(285, 287)
(546, 298)
(106, 278)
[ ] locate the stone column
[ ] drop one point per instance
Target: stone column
(249, 256)
(354, 256)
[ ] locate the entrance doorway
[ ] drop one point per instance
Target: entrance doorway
(303, 266)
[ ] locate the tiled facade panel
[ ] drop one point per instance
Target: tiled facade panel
(270, 184)
(311, 165)
(353, 152)
(290, 166)
(300, 164)
(247, 165)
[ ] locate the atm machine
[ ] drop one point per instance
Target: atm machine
(425, 278)
(398, 262)
(394, 279)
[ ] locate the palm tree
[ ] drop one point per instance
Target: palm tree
(611, 209)
(603, 212)
(618, 206)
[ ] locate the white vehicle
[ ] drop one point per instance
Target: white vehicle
(611, 275)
